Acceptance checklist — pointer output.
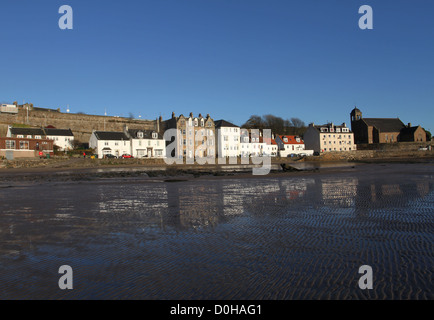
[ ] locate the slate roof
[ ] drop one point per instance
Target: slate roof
(28, 131)
(110, 135)
(385, 124)
(147, 134)
(409, 131)
(58, 132)
(224, 123)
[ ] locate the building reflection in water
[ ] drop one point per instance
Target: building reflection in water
(95, 208)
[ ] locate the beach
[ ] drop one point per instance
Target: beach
(301, 234)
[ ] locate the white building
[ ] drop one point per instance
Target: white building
(271, 148)
(329, 137)
(146, 143)
(251, 143)
(228, 139)
(62, 138)
(8, 108)
(110, 142)
(291, 145)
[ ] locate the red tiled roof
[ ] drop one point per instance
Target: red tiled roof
(267, 141)
(291, 140)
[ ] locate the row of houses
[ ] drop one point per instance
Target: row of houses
(199, 136)
(34, 142)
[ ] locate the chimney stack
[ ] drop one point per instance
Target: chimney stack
(173, 115)
(409, 124)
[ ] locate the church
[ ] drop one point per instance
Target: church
(383, 130)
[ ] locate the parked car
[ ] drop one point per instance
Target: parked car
(127, 156)
(110, 156)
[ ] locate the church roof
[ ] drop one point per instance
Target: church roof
(385, 124)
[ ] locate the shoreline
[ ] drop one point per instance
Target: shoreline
(184, 172)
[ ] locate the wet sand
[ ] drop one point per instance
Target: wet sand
(292, 235)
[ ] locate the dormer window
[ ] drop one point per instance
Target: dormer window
(202, 122)
(285, 139)
(195, 122)
(140, 135)
(154, 135)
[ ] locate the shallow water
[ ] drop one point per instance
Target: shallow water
(298, 237)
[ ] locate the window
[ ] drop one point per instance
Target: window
(140, 135)
(154, 135)
(20, 136)
(37, 137)
(202, 123)
(24, 145)
(106, 143)
(10, 144)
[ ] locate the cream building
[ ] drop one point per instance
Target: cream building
(329, 138)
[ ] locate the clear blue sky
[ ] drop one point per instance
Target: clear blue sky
(229, 58)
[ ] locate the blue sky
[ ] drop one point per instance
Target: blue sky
(229, 58)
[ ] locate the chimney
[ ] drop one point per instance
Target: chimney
(158, 124)
(409, 124)
(191, 114)
(200, 115)
(173, 115)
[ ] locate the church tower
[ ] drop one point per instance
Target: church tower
(355, 114)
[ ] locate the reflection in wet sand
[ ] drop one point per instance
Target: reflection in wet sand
(295, 237)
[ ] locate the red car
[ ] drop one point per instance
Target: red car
(127, 156)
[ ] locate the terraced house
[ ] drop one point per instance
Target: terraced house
(62, 138)
(195, 136)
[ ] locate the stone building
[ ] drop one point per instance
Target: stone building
(413, 134)
(195, 136)
(383, 130)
